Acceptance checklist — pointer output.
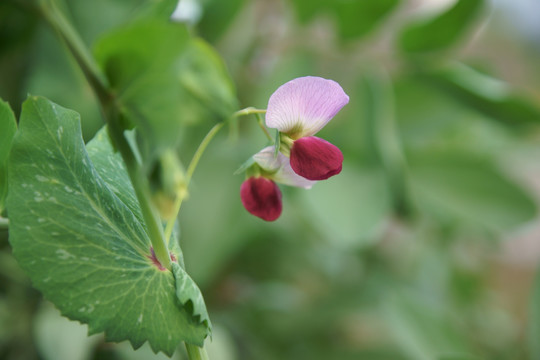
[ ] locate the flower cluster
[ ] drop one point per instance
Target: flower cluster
(298, 110)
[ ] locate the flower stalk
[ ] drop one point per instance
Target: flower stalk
(197, 157)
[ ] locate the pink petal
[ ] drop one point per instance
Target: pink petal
(315, 158)
(261, 197)
(284, 174)
(303, 106)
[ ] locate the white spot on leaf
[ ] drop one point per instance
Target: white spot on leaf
(63, 254)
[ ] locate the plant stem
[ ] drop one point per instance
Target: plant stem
(189, 173)
(76, 46)
(263, 128)
(110, 108)
(140, 185)
(197, 156)
(249, 111)
(196, 353)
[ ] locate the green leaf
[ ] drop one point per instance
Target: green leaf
(358, 18)
(488, 95)
(139, 61)
(158, 9)
(188, 293)
(217, 16)
(424, 329)
(353, 18)
(459, 186)
(441, 31)
(8, 128)
(104, 158)
(164, 80)
(205, 77)
(75, 230)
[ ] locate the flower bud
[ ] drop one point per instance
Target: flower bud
(315, 159)
(261, 197)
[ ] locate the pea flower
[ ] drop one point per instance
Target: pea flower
(259, 193)
(299, 109)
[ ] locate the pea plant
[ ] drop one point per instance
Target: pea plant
(95, 225)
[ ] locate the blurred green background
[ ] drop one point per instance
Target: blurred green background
(424, 247)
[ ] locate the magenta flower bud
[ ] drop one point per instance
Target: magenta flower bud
(315, 158)
(261, 197)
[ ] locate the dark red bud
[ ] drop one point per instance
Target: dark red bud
(315, 159)
(261, 197)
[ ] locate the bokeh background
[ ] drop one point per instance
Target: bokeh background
(424, 247)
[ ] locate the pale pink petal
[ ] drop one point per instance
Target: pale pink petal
(303, 106)
(284, 174)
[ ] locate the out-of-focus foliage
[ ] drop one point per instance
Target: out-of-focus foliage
(416, 251)
(441, 31)
(9, 127)
(352, 18)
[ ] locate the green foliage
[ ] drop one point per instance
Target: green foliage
(345, 273)
(534, 321)
(460, 186)
(139, 61)
(164, 80)
(353, 19)
(76, 230)
(218, 15)
(440, 32)
(8, 127)
(491, 96)
(362, 209)
(424, 329)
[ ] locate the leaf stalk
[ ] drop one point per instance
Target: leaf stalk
(196, 353)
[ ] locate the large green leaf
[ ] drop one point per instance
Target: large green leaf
(139, 61)
(8, 127)
(75, 229)
(490, 96)
(441, 31)
(164, 80)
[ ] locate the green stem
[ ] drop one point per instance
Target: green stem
(141, 187)
(197, 156)
(263, 128)
(76, 46)
(110, 108)
(189, 173)
(196, 353)
(249, 111)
